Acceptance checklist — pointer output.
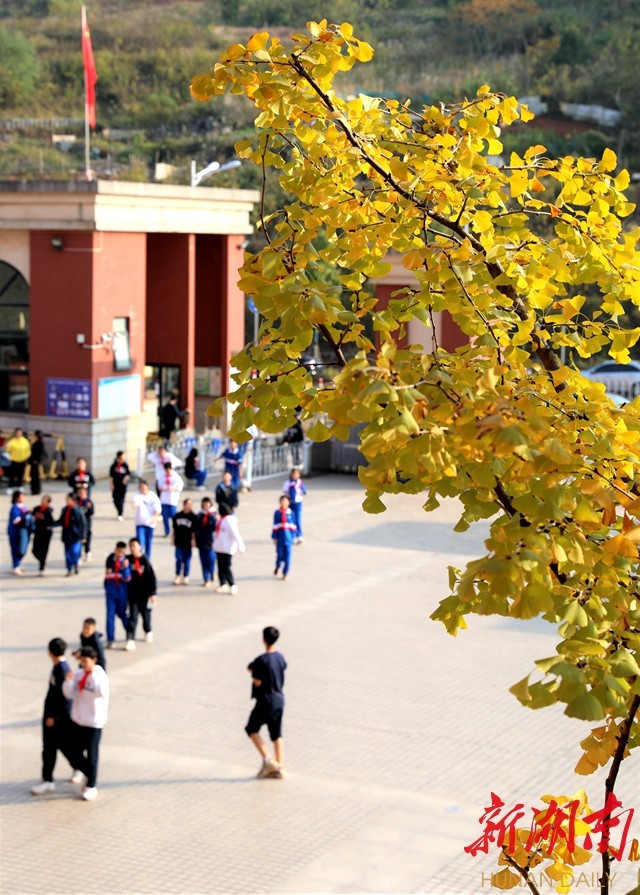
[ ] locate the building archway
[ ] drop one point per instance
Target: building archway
(14, 340)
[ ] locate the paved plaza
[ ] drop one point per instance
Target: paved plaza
(395, 732)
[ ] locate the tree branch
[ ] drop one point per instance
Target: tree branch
(523, 871)
(337, 350)
(623, 739)
(547, 356)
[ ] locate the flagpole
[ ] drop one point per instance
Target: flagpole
(87, 165)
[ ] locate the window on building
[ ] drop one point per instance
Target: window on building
(14, 340)
(121, 346)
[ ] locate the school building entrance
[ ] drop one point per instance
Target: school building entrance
(112, 295)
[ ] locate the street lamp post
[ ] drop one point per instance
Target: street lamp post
(213, 168)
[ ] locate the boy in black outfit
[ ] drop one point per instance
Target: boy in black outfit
(56, 721)
(267, 679)
(86, 505)
(142, 593)
(184, 526)
(91, 637)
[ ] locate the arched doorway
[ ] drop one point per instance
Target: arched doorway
(14, 340)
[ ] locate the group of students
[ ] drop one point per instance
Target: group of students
(74, 522)
(75, 711)
(22, 453)
(77, 703)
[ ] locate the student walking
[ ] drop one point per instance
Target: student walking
(19, 529)
(89, 636)
(283, 533)
(232, 457)
(117, 575)
(295, 490)
(81, 476)
(205, 529)
(88, 690)
(226, 493)
(147, 511)
(56, 721)
(226, 542)
(170, 489)
(72, 520)
(19, 449)
(142, 593)
(158, 459)
(267, 681)
(119, 478)
(169, 416)
(38, 453)
(43, 530)
(184, 524)
(86, 506)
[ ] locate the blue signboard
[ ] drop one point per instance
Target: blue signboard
(70, 398)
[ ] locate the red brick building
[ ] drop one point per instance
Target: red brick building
(112, 294)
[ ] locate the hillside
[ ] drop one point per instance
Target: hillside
(146, 51)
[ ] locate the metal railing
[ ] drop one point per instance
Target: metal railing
(625, 386)
(263, 457)
(346, 455)
(208, 445)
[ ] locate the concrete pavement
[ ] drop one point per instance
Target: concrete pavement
(395, 733)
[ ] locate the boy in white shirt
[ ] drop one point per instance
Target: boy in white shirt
(148, 510)
(159, 459)
(170, 488)
(88, 690)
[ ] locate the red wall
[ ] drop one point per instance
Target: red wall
(209, 300)
(80, 289)
(219, 301)
(61, 289)
(233, 306)
(119, 290)
(171, 305)
(451, 336)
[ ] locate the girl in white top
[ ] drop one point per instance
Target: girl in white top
(88, 690)
(227, 541)
(170, 487)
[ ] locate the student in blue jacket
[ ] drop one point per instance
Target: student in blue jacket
(283, 533)
(232, 457)
(73, 523)
(295, 490)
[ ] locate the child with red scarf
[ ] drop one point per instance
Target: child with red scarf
(81, 476)
(283, 533)
(116, 578)
(88, 690)
(119, 476)
(142, 593)
(44, 522)
(72, 521)
(205, 529)
(19, 529)
(86, 505)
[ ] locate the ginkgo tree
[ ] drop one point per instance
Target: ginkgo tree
(501, 424)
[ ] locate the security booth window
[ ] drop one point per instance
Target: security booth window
(121, 345)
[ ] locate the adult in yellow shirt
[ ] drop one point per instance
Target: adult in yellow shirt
(19, 449)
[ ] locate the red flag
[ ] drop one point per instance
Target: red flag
(90, 73)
